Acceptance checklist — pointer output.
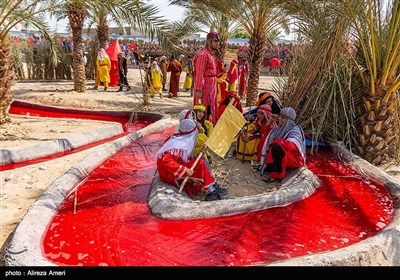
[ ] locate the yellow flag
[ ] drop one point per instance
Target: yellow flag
(225, 130)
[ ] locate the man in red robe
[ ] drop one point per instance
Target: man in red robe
(243, 77)
(174, 162)
(205, 80)
(175, 67)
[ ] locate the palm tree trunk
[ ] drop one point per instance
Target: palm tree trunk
(103, 34)
(378, 127)
(7, 76)
(76, 15)
(256, 53)
(223, 45)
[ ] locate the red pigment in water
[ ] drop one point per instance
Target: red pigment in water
(46, 112)
(134, 126)
(114, 227)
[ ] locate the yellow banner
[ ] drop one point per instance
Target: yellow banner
(225, 130)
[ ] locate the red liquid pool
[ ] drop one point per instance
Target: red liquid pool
(114, 227)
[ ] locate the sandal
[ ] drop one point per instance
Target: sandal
(268, 179)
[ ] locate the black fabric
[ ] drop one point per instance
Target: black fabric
(220, 190)
(208, 111)
(122, 71)
(277, 157)
(212, 196)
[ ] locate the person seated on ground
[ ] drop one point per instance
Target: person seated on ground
(200, 143)
(263, 98)
(224, 103)
(174, 163)
(253, 135)
(201, 137)
(285, 147)
(206, 125)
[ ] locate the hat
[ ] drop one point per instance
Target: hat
(184, 114)
(289, 113)
(162, 58)
(213, 36)
(187, 126)
(200, 107)
(262, 97)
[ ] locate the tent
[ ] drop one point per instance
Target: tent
(275, 62)
(112, 52)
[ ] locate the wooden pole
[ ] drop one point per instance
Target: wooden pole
(191, 168)
(247, 128)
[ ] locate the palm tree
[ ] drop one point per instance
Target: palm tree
(318, 84)
(345, 81)
(197, 19)
(142, 16)
(76, 13)
(376, 32)
(258, 18)
(99, 17)
(14, 13)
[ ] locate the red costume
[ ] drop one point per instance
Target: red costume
(233, 75)
(205, 80)
(243, 78)
(172, 170)
(236, 103)
(175, 67)
(291, 159)
(284, 147)
(173, 160)
(221, 81)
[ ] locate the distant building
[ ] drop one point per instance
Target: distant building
(128, 30)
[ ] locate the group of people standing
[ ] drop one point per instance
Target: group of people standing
(271, 140)
(156, 75)
(103, 65)
(213, 84)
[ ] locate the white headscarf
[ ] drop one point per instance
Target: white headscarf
(267, 112)
(181, 143)
(187, 114)
(289, 130)
(155, 66)
(102, 54)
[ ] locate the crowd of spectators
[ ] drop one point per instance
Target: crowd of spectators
(135, 51)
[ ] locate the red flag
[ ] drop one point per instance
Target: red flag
(112, 52)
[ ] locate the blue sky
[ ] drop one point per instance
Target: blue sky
(172, 13)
